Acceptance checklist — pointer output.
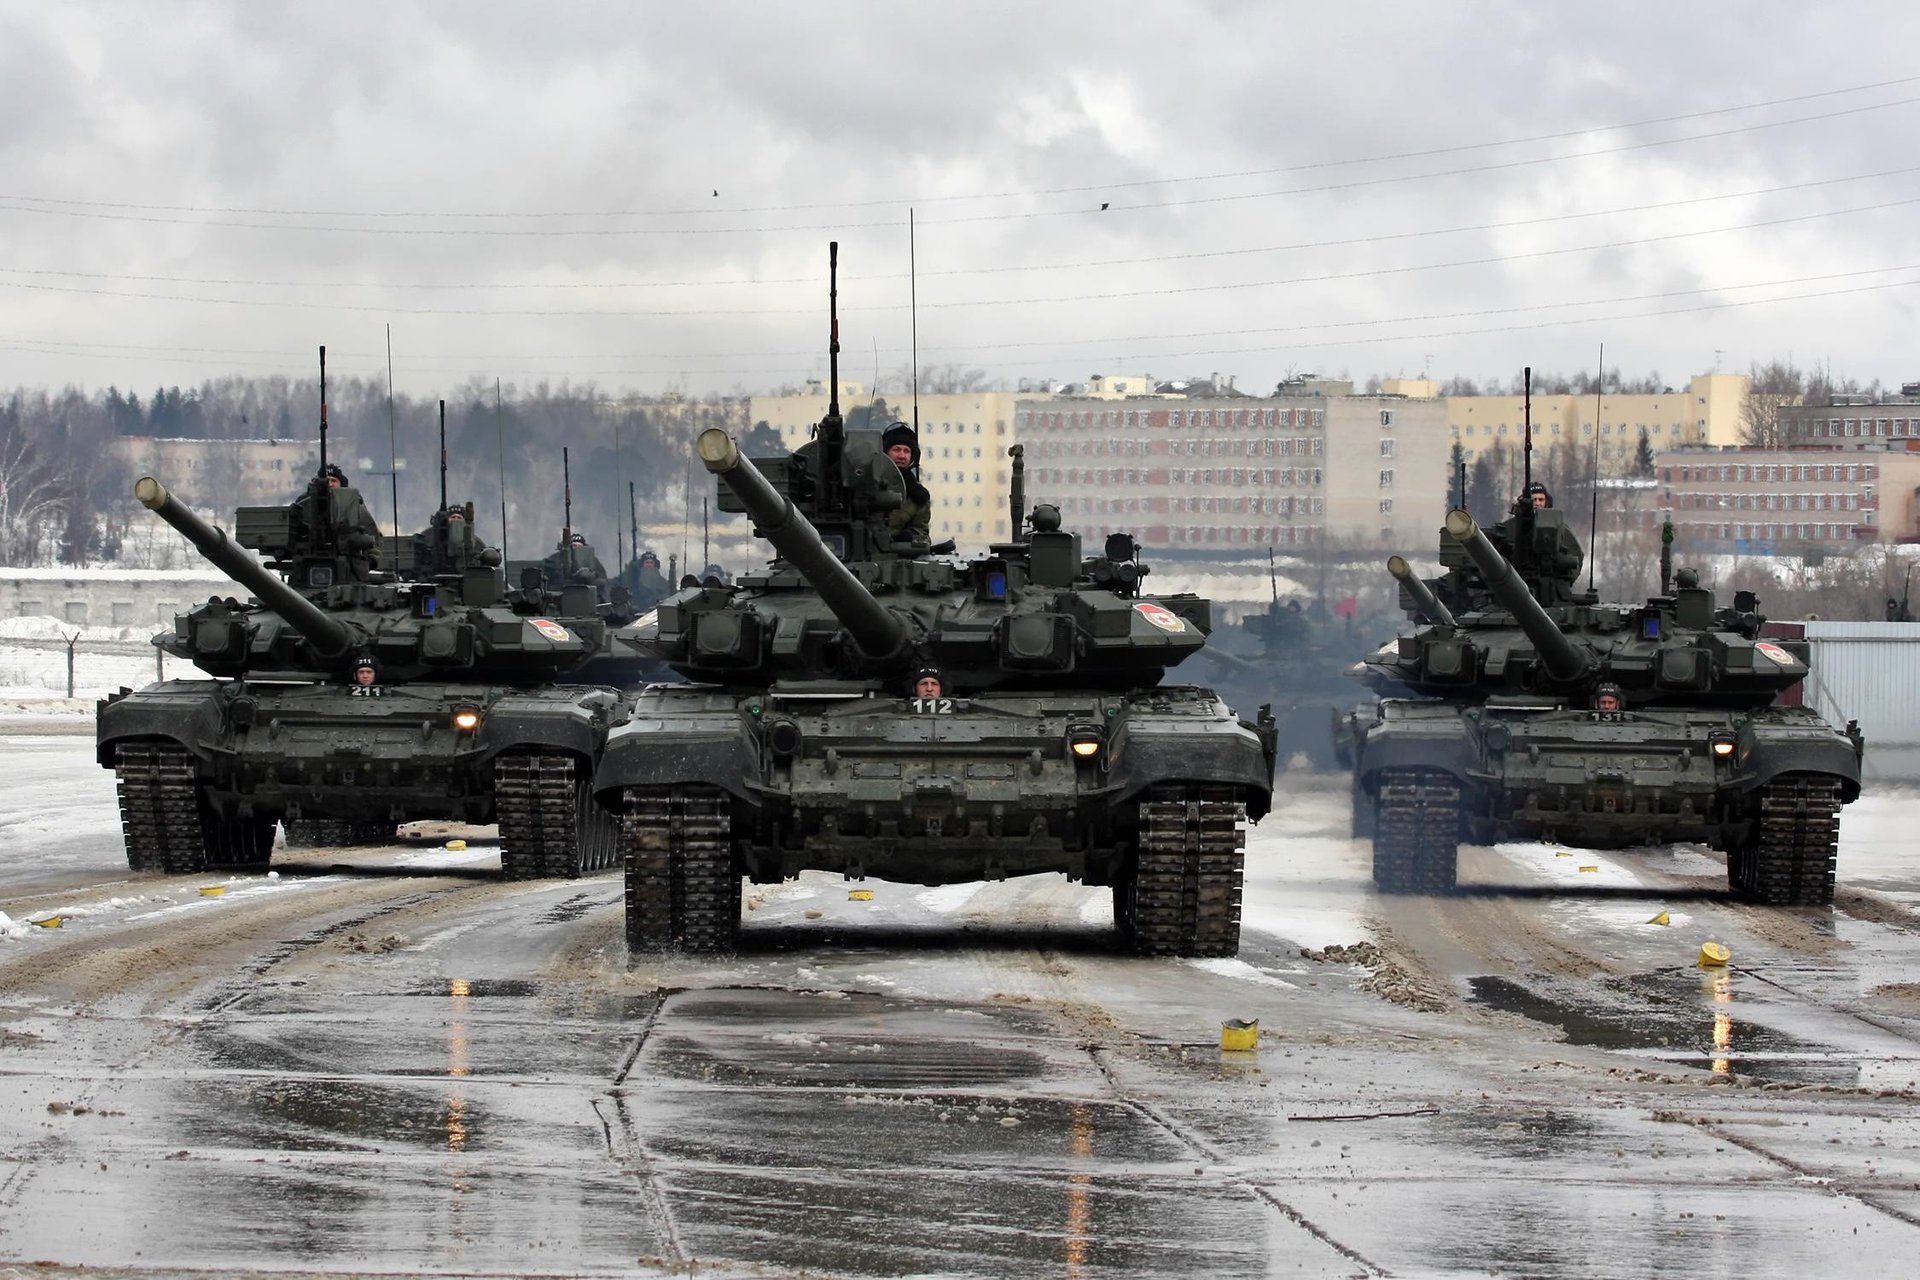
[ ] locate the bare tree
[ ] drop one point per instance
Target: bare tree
(32, 498)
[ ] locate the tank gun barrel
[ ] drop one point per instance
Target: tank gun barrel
(1564, 659)
(1422, 594)
(878, 633)
(328, 637)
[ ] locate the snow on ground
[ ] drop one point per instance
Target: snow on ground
(29, 674)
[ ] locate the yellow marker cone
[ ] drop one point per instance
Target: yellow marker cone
(1239, 1035)
(1713, 955)
(1590, 867)
(51, 922)
(860, 895)
(212, 890)
(456, 845)
(1662, 918)
(1563, 854)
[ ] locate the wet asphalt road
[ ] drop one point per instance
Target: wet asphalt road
(387, 1060)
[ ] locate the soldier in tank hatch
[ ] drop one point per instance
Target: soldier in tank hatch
(1538, 495)
(353, 524)
(914, 517)
(927, 683)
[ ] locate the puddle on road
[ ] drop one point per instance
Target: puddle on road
(1683, 1018)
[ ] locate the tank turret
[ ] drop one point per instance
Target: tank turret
(329, 637)
(878, 632)
(1565, 660)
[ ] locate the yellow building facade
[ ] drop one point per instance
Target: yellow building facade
(1707, 411)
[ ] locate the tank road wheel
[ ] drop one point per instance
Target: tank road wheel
(683, 889)
(245, 844)
(1788, 861)
(1185, 891)
(1416, 835)
(549, 825)
(160, 807)
(334, 833)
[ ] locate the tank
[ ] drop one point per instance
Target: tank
(1293, 657)
(1526, 709)
(877, 707)
(345, 700)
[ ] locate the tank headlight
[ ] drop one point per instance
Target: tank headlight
(1085, 740)
(1721, 744)
(466, 719)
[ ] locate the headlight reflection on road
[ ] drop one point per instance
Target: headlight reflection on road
(1722, 1024)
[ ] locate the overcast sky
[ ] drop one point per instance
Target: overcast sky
(641, 195)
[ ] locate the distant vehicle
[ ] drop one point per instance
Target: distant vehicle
(1528, 710)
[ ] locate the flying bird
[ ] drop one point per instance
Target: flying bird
(1103, 206)
(716, 191)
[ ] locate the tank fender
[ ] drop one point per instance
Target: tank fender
(724, 756)
(183, 711)
(1232, 756)
(1446, 748)
(575, 726)
(1828, 754)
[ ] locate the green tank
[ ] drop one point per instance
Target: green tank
(354, 699)
(1526, 709)
(875, 708)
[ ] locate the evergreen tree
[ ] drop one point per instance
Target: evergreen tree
(1643, 457)
(1456, 462)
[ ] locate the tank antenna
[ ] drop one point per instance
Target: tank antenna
(393, 448)
(323, 412)
(1017, 492)
(1593, 520)
(500, 439)
(619, 556)
(913, 318)
(633, 521)
(1273, 581)
(833, 331)
(566, 531)
(1666, 553)
(1526, 475)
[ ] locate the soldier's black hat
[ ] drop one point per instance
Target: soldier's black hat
(901, 433)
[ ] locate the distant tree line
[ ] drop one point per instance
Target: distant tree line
(65, 493)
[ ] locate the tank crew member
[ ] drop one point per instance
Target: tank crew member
(913, 518)
(353, 524)
(1538, 495)
(928, 684)
(1607, 698)
(365, 673)
(575, 549)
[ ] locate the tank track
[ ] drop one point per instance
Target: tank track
(334, 833)
(550, 828)
(683, 889)
(1789, 860)
(166, 822)
(1185, 898)
(1416, 831)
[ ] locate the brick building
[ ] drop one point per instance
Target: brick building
(1759, 501)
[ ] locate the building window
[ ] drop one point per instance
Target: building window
(1386, 448)
(1386, 417)
(1386, 506)
(1386, 478)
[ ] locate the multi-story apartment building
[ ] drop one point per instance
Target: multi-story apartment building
(1230, 475)
(1850, 420)
(1708, 411)
(964, 438)
(1765, 500)
(224, 473)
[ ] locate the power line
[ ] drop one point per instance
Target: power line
(1102, 263)
(1108, 296)
(1032, 193)
(30, 204)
